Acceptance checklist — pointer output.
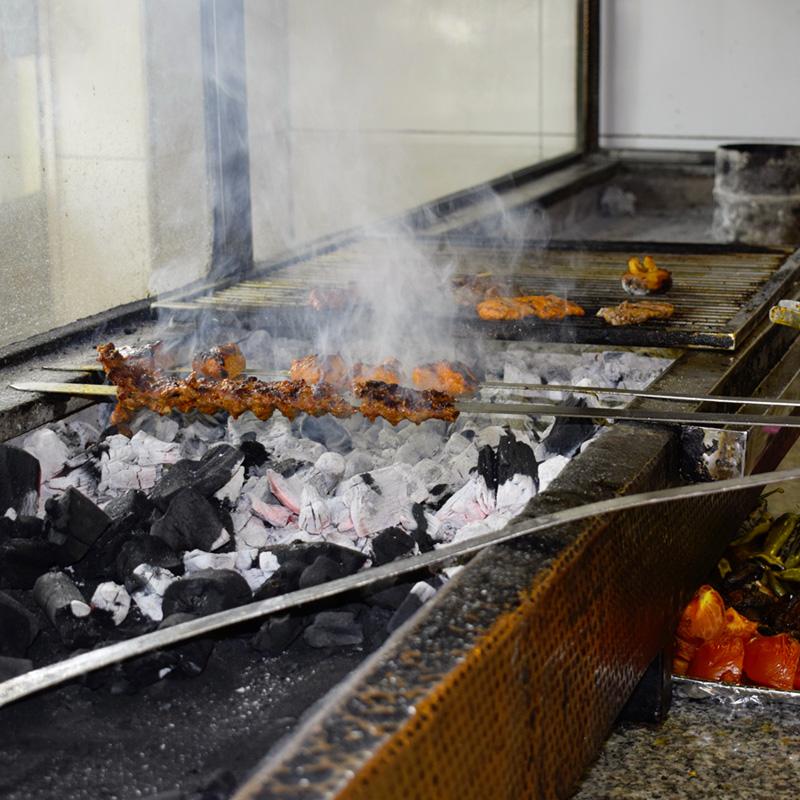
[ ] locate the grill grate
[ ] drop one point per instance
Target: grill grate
(718, 293)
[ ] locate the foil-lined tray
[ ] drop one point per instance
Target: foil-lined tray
(732, 694)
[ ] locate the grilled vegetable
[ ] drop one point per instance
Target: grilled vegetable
(778, 535)
(645, 278)
(719, 660)
(772, 660)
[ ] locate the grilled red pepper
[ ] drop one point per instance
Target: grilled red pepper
(772, 660)
(704, 618)
(719, 660)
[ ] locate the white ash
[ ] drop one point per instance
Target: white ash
(114, 599)
(134, 463)
(51, 452)
(153, 582)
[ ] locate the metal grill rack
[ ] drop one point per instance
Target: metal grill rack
(719, 293)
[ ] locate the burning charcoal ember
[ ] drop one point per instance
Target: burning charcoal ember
(277, 516)
(74, 523)
(422, 443)
(420, 593)
(145, 549)
(20, 475)
(277, 633)
(190, 523)
(465, 462)
(152, 583)
(22, 561)
(549, 469)
(18, 627)
(327, 471)
(163, 428)
(134, 463)
(206, 592)
(113, 599)
(48, 449)
(383, 498)
(314, 515)
(232, 489)
(472, 502)
(12, 667)
(333, 629)
(328, 432)
(84, 479)
(288, 491)
(391, 544)
(358, 462)
(515, 493)
(253, 534)
(66, 608)
(205, 476)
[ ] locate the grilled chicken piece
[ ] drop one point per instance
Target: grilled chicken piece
(315, 369)
(643, 279)
(388, 371)
(471, 289)
(627, 313)
(451, 377)
(222, 361)
(395, 403)
(546, 306)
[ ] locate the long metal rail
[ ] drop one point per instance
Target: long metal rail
(55, 674)
(697, 418)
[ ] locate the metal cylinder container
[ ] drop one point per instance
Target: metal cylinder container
(757, 194)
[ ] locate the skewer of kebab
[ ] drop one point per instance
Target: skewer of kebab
(139, 386)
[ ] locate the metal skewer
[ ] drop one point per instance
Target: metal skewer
(697, 418)
(644, 393)
(54, 674)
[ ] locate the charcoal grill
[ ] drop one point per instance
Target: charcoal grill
(719, 292)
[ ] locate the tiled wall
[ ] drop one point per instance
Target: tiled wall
(690, 74)
(393, 104)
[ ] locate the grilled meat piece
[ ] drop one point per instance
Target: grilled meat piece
(222, 361)
(547, 306)
(388, 371)
(137, 388)
(395, 403)
(333, 299)
(471, 289)
(643, 279)
(627, 313)
(451, 377)
(315, 369)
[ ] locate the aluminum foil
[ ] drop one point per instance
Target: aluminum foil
(730, 694)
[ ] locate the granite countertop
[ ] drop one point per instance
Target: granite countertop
(706, 748)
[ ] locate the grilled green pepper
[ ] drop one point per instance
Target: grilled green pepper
(778, 535)
(754, 532)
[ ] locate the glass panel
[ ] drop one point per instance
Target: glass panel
(359, 110)
(102, 142)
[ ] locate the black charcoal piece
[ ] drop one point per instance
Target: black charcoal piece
(391, 597)
(66, 609)
(277, 633)
(350, 560)
(407, 608)
(285, 579)
(205, 476)
(321, 570)
(192, 656)
(327, 431)
(288, 466)
(391, 544)
(74, 523)
(20, 476)
(129, 511)
(567, 435)
(515, 458)
(206, 592)
(25, 527)
(255, 455)
(190, 522)
(487, 466)
(145, 549)
(333, 629)
(22, 561)
(12, 667)
(18, 627)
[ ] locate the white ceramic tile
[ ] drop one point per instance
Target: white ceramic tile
(102, 229)
(181, 227)
(174, 78)
(704, 71)
(445, 65)
(559, 66)
(342, 180)
(98, 69)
